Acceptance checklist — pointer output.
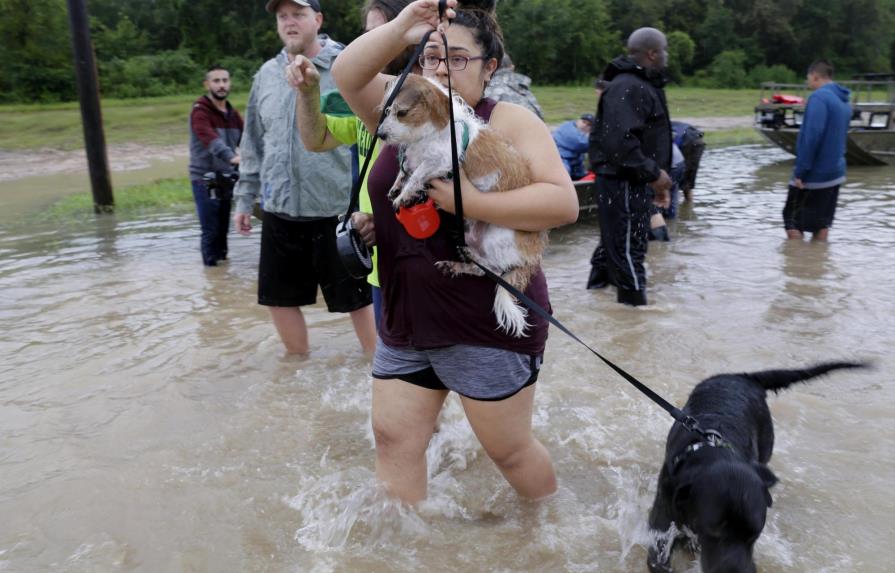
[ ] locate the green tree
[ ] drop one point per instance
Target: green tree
(36, 52)
(122, 41)
(158, 19)
(628, 15)
(684, 15)
(728, 70)
(681, 48)
(574, 41)
(716, 34)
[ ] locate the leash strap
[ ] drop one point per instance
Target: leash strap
(676, 413)
(458, 234)
(355, 189)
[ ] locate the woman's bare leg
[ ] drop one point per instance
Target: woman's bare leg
(404, 418)
(504, 429)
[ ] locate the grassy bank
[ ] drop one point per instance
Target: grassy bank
(130, 202)
(163, 120)
(150, 121)
(737, 136)
(168, 194)
(566, 102)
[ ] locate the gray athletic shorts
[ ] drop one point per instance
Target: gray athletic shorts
(477, 372)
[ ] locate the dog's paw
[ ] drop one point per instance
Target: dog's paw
(397, 187)
(658, 560)
(404, 200)
(456, 268)
(401, 197)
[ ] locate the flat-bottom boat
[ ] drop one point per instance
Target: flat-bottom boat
(871, 134)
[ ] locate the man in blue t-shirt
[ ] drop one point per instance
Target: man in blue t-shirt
(572, 141)
(820, 157)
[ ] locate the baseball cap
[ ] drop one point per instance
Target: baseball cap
(588, 117)
(313, 4)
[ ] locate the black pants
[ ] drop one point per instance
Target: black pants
(624, 236)
(810, 210)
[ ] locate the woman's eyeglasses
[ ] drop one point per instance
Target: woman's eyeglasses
(454, 63)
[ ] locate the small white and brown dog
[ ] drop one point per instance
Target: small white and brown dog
(418, 121)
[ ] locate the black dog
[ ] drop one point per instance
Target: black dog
(717, 487)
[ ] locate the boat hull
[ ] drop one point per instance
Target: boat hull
(865, 147)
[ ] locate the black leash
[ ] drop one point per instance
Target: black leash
(355, 189)
(688, 422)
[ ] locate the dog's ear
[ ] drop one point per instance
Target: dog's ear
(389, 86)
(438, 104)
(681, 497)
(767, 478)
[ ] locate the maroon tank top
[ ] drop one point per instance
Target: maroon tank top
(423, 308)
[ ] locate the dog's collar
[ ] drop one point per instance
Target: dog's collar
(713, 439)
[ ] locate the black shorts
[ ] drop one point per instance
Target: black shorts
(810, 210)
(299, 256)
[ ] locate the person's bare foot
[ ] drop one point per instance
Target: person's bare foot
(794, 234)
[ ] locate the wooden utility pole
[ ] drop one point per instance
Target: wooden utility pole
(91, 114)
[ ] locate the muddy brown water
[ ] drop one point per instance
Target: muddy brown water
(150, 422)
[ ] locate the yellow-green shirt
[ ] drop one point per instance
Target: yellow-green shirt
(350, 130)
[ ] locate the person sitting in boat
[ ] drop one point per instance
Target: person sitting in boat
(571, 139)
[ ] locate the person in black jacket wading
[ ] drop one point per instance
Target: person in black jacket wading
(630, 151)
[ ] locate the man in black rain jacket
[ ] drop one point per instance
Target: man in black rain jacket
(630, 151)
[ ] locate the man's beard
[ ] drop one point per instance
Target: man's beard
(222, 97)
(295, 48)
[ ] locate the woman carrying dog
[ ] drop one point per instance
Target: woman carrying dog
(438, 333)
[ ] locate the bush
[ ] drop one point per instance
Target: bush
(681, 48)
(728, 70)
(242, 70)
(165, 73)
(574, 39)
(36, 83)
(778, 73)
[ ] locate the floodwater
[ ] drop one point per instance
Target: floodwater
(150, 422)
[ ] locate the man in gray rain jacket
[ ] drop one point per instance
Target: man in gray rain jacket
(301, 192)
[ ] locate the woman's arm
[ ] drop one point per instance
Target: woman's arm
(549, 202)
(356, 70)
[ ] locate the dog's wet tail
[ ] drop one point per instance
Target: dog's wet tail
(777, 380)
(511, 315)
